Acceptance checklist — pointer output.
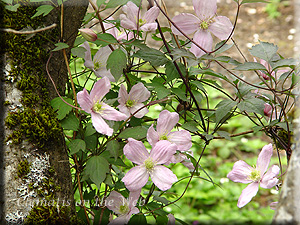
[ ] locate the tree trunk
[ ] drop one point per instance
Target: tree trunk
(35, 162)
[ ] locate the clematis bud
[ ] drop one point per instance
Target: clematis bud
(88, 34)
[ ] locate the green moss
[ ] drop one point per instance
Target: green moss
(23, 168)
(37, 122)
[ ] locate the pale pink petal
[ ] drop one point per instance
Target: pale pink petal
(136, 178)
(148, 27)
(221, 28)
(163, 151)
(182, 139)
(240, 172)
(114, 201)
(247, 194)
(264, 158)
(268, 110)
(163, 177)
(87, 58)
(205, 9)
(103, 72)
(124, 110)
(166, 122)
(120, 220)
(102, 55)
(171, 220)
(133, 198)
(186, 22)
(151, 15)
(123, 95)
(127, 23)
(139, 93)
(135, 151)
(269, 179)
(204, 39)
(109, 113)
(84, 101)
(100, 125)
(152, 136)
(100, 89)
(131, 11)
(140, 113)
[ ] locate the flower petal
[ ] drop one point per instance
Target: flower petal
(163, 151)
(163, 177)
(204, 39)
(205, 9)
(114, 201)
(100, 125)
(124, 109)
(100, 89)
(221, 28)
(131, 11)
(247, 194)
(264, 158)
(152, 136)
(102, 55)
(186, 22)
(140, 113)
(87, 58)
(127, 23)
(182, 139)
(240, 172)
(103, 72)
(136, 178)
(133, 198)
(135, 151)
(166, 121)
(109, 113)
(123, 95)
(84, 101)
(139, 93)
(269, 179)
(120, 220)
(151, 15)
(149, 27)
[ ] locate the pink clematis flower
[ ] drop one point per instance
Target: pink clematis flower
(203, 24)
(122, 206)
(267, 75)
(243, 173)
(129, 103)
(92, 103)
(131, 20)
(149, 165)
(165, 123)
(88, 34)
(98, 64)
(111, 29)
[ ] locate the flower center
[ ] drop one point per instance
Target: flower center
(149, 164)
(124, 209)
(97, 107)
(130, 103)
(204, 25)
(254, 175)
(142, 22)
(97, 65)
(163, 137)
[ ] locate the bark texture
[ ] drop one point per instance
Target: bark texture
(38, 163)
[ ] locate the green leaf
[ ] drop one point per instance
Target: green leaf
(105, 39)
(151, 55)
(12, 8)
(223, 108)
(191, 126)
(180, 93)
(134, 132)
(114, 148)
(91, 141)
(60, 46)
(76, 145)
(78, 51)
(62, 108)
(161, 220)
(254, 105)
(171, 71)
(116, 62)
(89, 130)
(71, 122)
(100, 2)
(224, 48)
(285, 63)
(250, 66)
(96, 169)
(43, 10)
(264, 50)
(224, 134)
(160, 89)
(115, 3)
(154, 206)
(137, 219)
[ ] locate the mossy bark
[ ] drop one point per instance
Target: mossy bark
(31, 130)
